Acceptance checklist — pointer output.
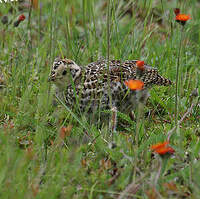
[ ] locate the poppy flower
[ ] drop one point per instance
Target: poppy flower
(140, 64)
(162, 148)
(182, 18)
(134, 84)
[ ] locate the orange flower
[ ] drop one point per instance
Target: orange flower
(162, 148)
(140, 64)
(159, 145)
(182, 18)
(134, 84)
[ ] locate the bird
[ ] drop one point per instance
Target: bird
(101, 85)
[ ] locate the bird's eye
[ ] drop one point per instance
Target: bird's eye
(64, 72)
(56, 66)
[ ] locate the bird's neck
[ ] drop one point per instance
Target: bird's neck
(75, 72)
(73, 78)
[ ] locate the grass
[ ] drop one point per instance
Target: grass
(38, 160)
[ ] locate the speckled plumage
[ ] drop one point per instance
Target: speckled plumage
(99, 86)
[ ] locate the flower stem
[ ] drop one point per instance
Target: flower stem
(161, 170)
(177, 81)
(139, 122)
(158, 173)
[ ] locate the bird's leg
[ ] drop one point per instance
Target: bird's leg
(132, 115)
(142, 96)
(113, 121)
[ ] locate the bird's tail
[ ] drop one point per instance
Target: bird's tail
(162, 81)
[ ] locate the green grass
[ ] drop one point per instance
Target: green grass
(36, 163)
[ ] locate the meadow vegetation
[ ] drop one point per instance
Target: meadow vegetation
(46, 151)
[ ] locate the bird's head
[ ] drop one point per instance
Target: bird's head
(63, 72)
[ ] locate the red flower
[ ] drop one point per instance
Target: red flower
(182, 18)
(134, 84)
(19, 20)
(162, 148)
(140, 64)
(21, 17)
